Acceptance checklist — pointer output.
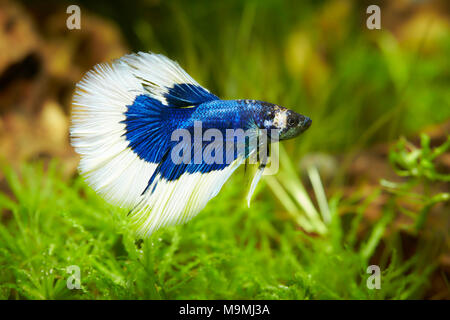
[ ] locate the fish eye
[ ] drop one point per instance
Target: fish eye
(292, 121)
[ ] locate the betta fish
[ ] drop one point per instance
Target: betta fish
(124, 117)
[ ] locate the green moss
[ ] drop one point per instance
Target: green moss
(228, 251)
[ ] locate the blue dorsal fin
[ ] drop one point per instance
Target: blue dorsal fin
(187, 94)
(164, 80)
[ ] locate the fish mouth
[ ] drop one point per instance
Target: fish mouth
(306, 124)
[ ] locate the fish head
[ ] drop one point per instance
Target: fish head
(287, 123)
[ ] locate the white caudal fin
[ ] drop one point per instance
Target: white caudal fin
(97, 133)
(110, 163)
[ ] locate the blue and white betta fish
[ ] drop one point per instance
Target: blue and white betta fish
(125, 117)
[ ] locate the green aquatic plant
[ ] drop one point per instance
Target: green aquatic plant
(417, 165)
(227, 252)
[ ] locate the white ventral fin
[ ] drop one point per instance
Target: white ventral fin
(254, 183)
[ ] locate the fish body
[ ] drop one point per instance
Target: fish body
(151, 139)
